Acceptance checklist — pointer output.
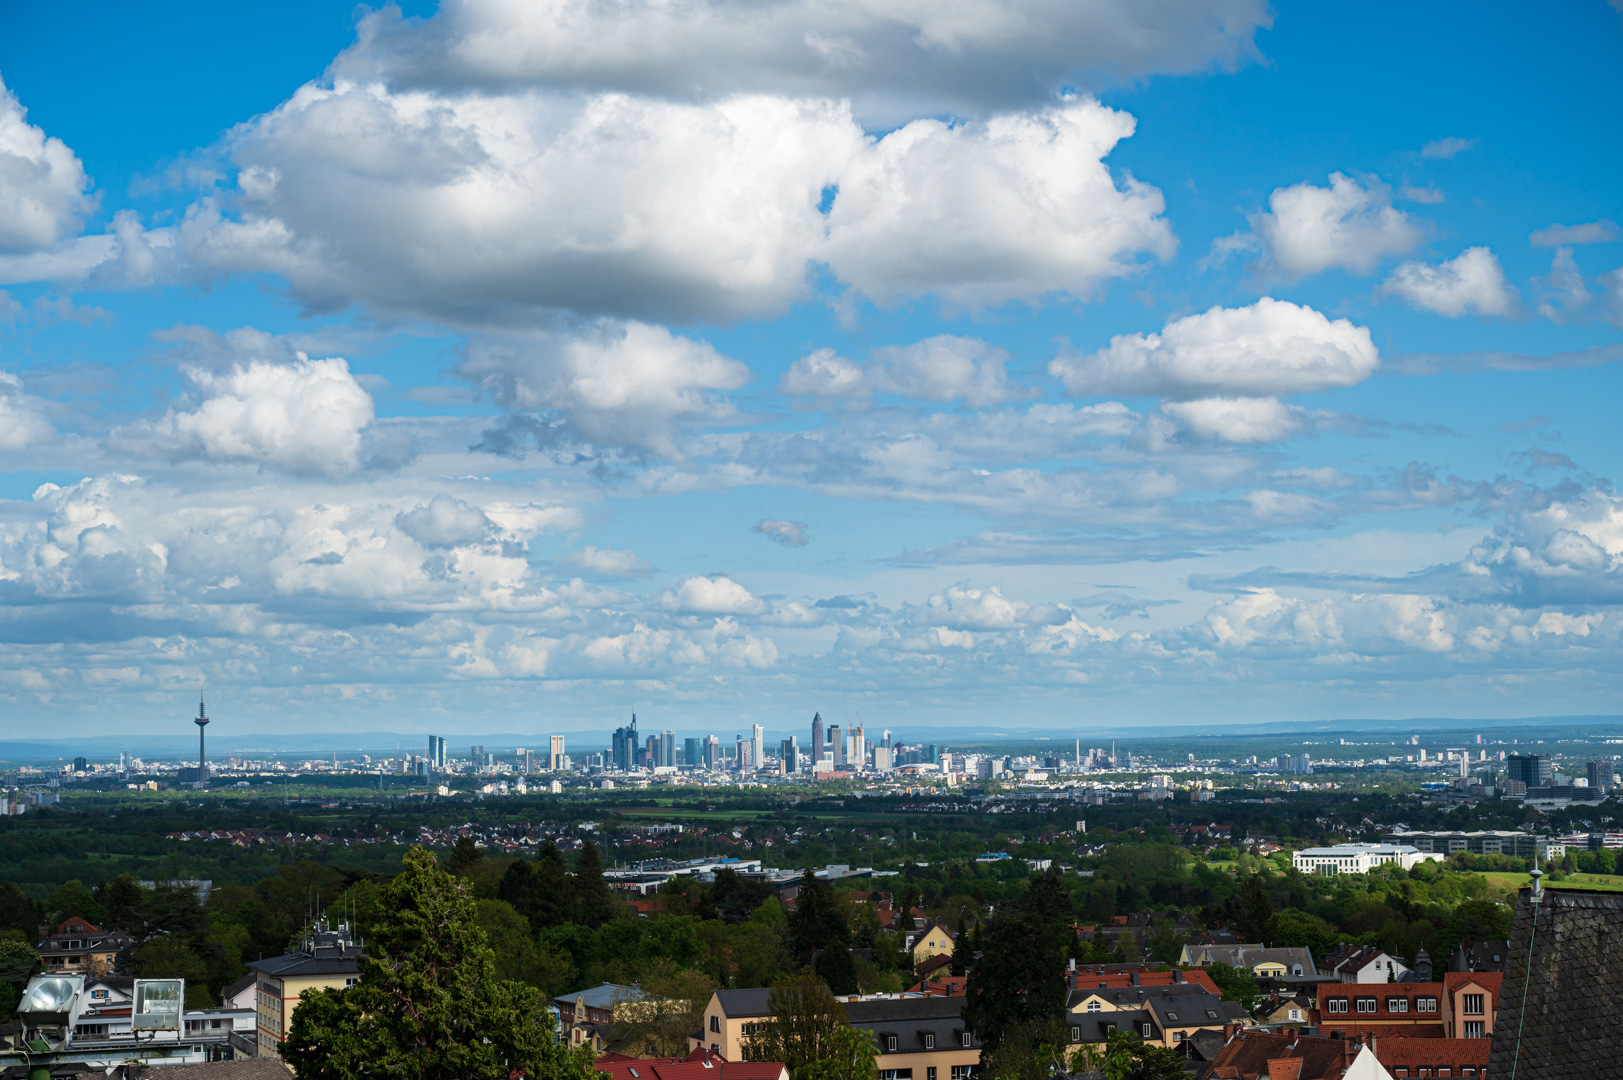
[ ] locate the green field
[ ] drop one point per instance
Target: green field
(1507, 883)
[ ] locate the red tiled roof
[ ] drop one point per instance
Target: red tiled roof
(700, 1064)
(1416, 1054)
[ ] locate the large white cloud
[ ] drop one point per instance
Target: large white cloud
(1349, 226)
(619, 384)
(305, 418)
(1014, 207)
(42, 184)
(896, 58)
(1470, 283)
(1267, 348)
(474, 207)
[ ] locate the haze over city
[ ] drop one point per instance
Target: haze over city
(474, 368)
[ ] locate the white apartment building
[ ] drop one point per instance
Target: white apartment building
(1358, 858)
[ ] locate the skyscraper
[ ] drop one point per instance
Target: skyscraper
(625, 745)
(712, 752)
(836, 740)
(817, 736)
(742, 759)
(859, 747)
(1601, 775)
(555, 754)
(436, 752)
(790, 750)
(1534, 770)
(692, 751)
(476, 755)
(667, 748)
(757, 746)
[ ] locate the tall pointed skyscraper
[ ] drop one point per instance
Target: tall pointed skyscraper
(817, 737)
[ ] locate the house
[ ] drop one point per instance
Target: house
(1166, 1014)
(80, 947)
(922, 1038)
(1479, 956)
(1121, 976)
(1281, 1010)
(1255, 1055)
(1464, 1005)
(1362, 964)
(932, 940)
(699, 1064)
(240, 994)
(586, 1015)
(326, 958)
(1433, 1057)
(1562, 982)
(1261, 962)
(103, 1028)
(1359, 858)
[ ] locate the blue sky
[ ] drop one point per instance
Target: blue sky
(492, 366)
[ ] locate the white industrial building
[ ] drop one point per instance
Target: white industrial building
(1359, 858)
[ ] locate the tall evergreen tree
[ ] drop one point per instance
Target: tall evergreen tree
(816, 922)
(594, 902)
(1018, 980)
(428, 1005)
(835, 967)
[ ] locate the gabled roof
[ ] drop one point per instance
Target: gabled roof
(1251, 1054)
(750, 1001)
(602, 996)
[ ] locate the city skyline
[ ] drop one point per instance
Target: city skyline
(1044, 367)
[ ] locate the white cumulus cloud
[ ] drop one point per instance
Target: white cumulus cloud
(618, 384)
(306, 418)
(42, 184)
(1470, 283)
(1349, 226)
(896, 60)
(608, 562)
(1236, 420)
(1267, 348)
(1014, 207)
(941, 368)
(21, 422)
(444, 522)
(714, 595)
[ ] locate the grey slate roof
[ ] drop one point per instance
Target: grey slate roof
(1249, 956)
(1129, 997)
(1568, 966)
(750, 1001)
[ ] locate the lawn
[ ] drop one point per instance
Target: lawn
(1507, 883)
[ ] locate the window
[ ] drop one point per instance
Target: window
(965, 1037)
(1476, 1029)
(1295, 1014)
(1425, 1004)
(1076, 1033)
(351, 980)
(890, 1043)
(1397, 1004)
(1473, 1005)
(962, 1072)
(1335, 1005)
(1110, 1029)
(635, 1075)
(1094, 1006)
(715, 1023)
(929, 1040)
(1181, 1036)
(1172, 1016)
(1366, 1005)
(1147, 1030)
(929, 1073)
(895, 1074)
(1211, 1014)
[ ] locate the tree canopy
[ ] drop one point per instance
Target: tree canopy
(428, 1005)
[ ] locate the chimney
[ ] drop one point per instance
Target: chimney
(1290, 1038)
(1071, 965)
(1177, 975)
(1134, 978)
(1228, 1033)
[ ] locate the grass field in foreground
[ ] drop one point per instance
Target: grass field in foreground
(1501, 882)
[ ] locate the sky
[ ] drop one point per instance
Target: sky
(517, 366)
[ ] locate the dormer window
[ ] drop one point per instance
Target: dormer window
(890, 1043)
(929, 1040)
